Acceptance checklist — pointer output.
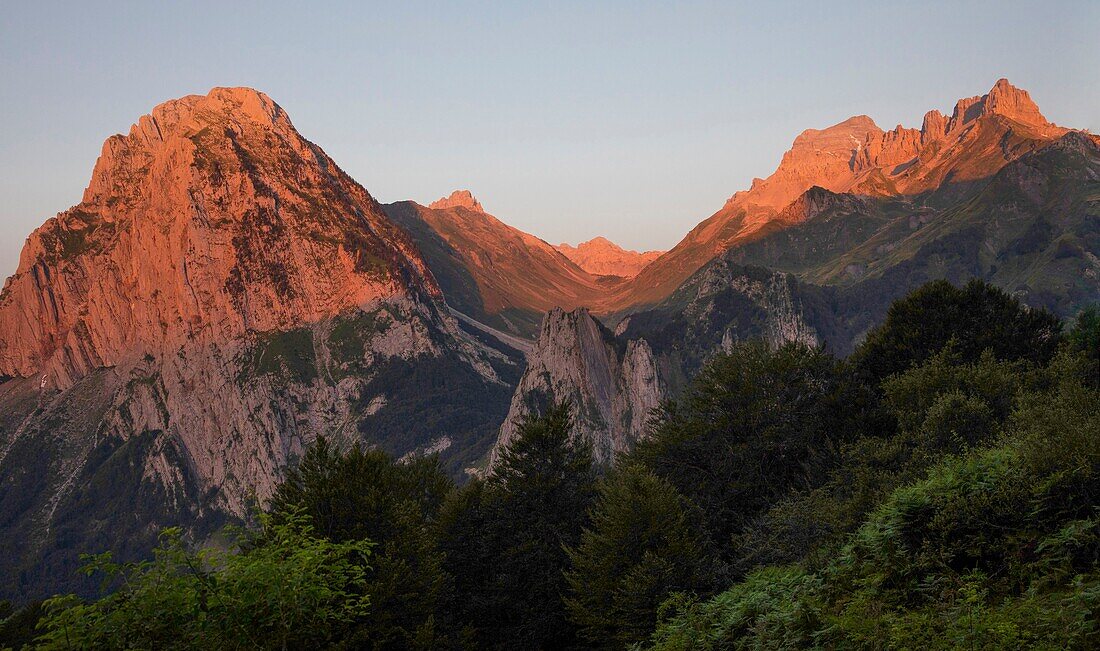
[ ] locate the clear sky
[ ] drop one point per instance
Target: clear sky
(632, 120)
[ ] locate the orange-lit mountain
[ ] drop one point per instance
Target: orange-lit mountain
(602, 257)
(490, 271)
(947, 154)
(853, 218)
(211, 218)
(222, 295)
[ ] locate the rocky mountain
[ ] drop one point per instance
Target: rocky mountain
(1033, 228)
(613, 380)
(222, 295)
(853, 218)
(611, 383)
(602, 257)
(949, 157)
(492, 272)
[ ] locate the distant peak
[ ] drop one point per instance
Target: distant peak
(458, 199)
(1012, 102)
(1003, 99)
(600, 242)
(860, 122)
(602, 257)
(843, 136)
(236, 102)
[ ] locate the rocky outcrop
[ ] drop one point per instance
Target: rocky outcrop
(223, 295)
(457, 199)
(614, 380)
(611, 384)
(602, 257)
(855, 156)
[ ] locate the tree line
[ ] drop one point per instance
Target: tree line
(939, 488)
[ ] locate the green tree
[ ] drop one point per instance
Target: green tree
(505, 538)
(644, 543)
(18, 627)
(754, 425)
(994, 545)
(297, 590)
(942, 407)
(977, 317)
(365, 495)
(1084, 339)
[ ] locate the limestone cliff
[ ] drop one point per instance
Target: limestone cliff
(222, 295)
(611, 384)
(613, 380)
(946, 155)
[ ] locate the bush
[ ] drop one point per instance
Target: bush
(753, 426)
(643, 544)
(976, 317)
(296, 590)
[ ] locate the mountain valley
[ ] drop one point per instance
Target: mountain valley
(224, 294)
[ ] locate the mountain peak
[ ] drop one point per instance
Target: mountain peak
(458, 199)
(193, 112)
(227, 119)
(598, 242)
(840, 138)
(1003, 99)
(265, 230)
(1012, 102)
(602, 257)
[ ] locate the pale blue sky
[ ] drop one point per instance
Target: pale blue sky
(632, 120)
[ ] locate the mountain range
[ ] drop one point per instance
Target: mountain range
(224, 294)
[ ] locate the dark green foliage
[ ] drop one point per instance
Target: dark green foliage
(295, 591)
(645, 542)
(505, 538)
(773, 608)
(1084, 338)
(364, 495)
(997, 546)
(289, 354)
(754, 425)
(941, 408)
(18, 627)
(975, 317)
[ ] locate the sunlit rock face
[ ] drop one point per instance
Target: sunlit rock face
(213, 217)
(610, 384)
(493, 272)
(602, 257)
(222, 295)
(856, 157)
